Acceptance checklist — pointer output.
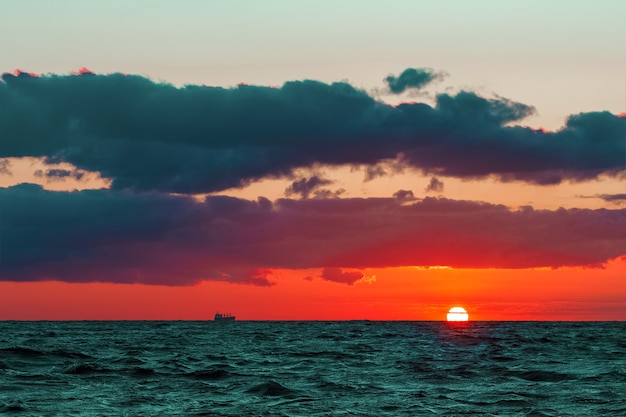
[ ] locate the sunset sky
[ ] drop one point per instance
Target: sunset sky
(319, 160)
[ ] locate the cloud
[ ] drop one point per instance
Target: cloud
(156, 238)
(326, 193)
(435, 185)
(102, 235)
(609, 198)
(304, 187)
(384, 168)
(342, 277)
(374, 171)
(411, 78)
(150, 136)
(61, 174)
(404, 195)
(4, 167)
(613, 198)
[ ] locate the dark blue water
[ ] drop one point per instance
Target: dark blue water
(312, 369)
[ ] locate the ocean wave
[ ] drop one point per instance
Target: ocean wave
(84, 369)
(272, 389)
(210, 374)
(312, 368)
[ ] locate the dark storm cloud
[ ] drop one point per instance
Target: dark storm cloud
(145, 135)
(104, 235)
(411, 78)
(120, 236)
(435, 185)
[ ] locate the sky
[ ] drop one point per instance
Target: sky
(313, 160)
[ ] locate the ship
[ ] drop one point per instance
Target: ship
(224, 317)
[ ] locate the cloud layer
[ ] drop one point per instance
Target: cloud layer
(149, 136)
(120, 236)
(153, 139)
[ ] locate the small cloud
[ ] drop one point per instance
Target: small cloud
(384, 168)
(373, 172)
(435, 185)
(609, 198)
(60, 174)
(4, 167)
(249, 276)
(337, 275)
(613, 198)
(326, 193)
(307, 187)
(411, 78)
(404, 195)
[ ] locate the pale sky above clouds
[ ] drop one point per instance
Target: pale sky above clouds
(561, 57)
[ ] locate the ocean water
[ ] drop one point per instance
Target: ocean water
(358, 368)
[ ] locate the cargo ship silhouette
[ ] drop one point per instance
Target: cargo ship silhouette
(224, 317)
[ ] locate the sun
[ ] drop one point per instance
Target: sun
(458, 314)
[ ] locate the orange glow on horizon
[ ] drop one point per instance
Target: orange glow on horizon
(570, 294)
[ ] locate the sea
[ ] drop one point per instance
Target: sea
(312, 368)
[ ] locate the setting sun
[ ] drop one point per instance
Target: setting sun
(457, 314)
